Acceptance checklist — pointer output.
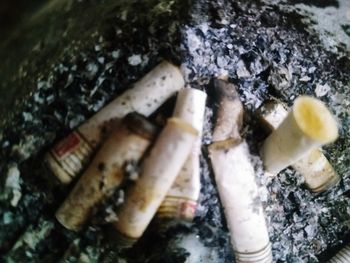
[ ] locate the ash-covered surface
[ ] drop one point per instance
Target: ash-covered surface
(265, 50)
(328, 19)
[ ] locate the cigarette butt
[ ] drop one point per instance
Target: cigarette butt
(234, 176)
(343, 256)
(230, 111)
(181, 200)
(308, 126)
(70, 156)
(159, 171)
(272, 113)
(106, 172)
(318, 173)
(235, 180)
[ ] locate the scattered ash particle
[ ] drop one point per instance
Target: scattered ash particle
(135, 60)
(132, 170)
(13, 186)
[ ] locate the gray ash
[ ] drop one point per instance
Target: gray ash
(266, 49)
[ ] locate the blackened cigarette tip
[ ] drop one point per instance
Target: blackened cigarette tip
(223, 77)
(140, 125)
(225, 90)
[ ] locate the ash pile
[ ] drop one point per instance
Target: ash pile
(267, 49)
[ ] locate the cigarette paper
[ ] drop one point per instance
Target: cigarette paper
(343, 256)
(70, 156)
(159, 171)
(230, 111)
(234, 176)
(308, 126)
(318, 173)
(181, 199)
(106, 172)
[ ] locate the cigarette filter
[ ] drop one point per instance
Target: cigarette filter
(234, 176)
(308, 126)
(70, 156)
(159, 171)
(181, 199)
(343, 256)
(106, 172)
(318, 173)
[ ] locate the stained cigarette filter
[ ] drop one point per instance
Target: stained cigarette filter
(343, 256)
(234, 176)
(70, 156)
(181, 200)
(159, 170)
(308, 126)
(127, 144)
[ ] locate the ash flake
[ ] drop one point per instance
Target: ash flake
(241, 70)
(101, 60)
(116, 54)
(7, 218)
(98, 48)
(38, 98)
(13, 184)
(305, 79)
(27, 116)
(135, 60)
(322, 90)
(92, 69)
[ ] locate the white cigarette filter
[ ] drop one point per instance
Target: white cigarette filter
(70, 156)
(308, 126)
(318, 173)
(181, 200)
(230, 111)
(125, 145)
(343, 256)
(159, 171)
(234, 176)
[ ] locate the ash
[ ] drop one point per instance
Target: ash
(265, 47)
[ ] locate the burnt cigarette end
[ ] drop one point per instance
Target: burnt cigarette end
(229, 113)
(101, 167)
(225, 90)
(139, 125)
